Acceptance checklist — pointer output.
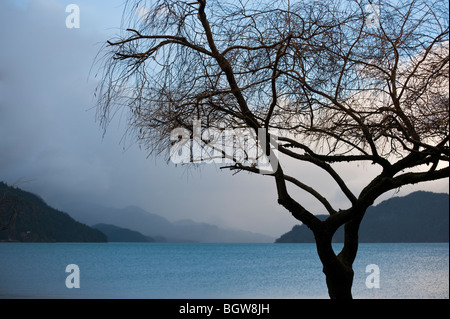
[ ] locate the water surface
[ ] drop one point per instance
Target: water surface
(142, 270)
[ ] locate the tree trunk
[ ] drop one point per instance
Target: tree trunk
(338, 268)
(339, 280)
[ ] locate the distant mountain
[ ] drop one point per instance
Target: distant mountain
(159, 228)
(118, 234)
(131, 217)
(35, 221)
(203, 232)
(417, 217)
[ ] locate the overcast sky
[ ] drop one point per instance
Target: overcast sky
(51, 144)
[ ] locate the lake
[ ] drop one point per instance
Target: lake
(215, 271)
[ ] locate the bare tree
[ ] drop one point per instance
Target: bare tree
(329, 82)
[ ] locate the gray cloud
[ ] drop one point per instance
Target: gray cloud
(48, 134)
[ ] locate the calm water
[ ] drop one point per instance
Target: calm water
(130, 270)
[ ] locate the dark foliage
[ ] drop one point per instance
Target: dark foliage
(35, 221)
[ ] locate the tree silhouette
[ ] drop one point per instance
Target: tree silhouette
(323, 83)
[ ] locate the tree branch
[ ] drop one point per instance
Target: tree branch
(324, 166)
(313, 192)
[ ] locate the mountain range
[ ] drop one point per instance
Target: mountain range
(38, 222)
(417, 217)
(159, 228)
